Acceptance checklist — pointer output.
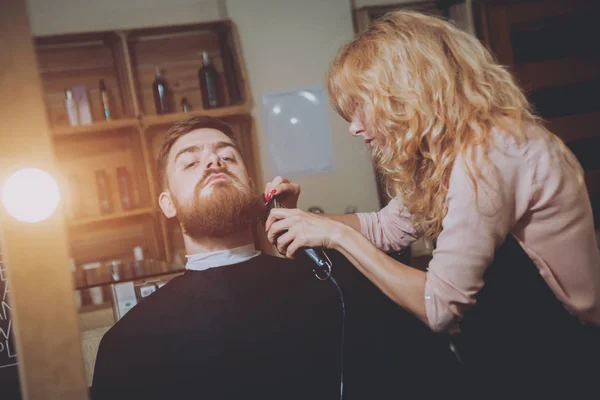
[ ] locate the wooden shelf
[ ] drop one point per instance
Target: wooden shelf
(111, 217)
(156, 120)
(125, 61)
(94, 307)
(95, 127)
(161, 270)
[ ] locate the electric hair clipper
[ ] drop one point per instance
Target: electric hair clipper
(315, 256)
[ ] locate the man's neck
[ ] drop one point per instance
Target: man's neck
(206, 244)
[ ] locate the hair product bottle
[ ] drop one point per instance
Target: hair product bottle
(209, 84)
(103, 192)
(161, 93)
(76, 204)
(71, 107)
(185, 106)
(105, 102)
(124, 181)
(137, 265)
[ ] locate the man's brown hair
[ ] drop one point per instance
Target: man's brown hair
(182, 128)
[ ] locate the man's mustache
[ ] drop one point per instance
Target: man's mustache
(210, 172)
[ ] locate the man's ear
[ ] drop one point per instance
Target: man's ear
(166, 204)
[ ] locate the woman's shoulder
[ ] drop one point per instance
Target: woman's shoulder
(529, 141)
(507, 167)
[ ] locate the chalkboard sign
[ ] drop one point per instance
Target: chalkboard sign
(9, 376)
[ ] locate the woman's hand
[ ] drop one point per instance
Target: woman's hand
(293, 229)
(287, 192)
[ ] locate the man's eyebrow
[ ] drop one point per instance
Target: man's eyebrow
(195, 148)
(189, 149)
(222, 145)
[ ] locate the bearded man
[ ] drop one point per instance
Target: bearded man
(238, 323)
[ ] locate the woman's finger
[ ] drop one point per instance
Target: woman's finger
(291, 248)
(277, 214)
(287, 189)
(267, 190)
(284, 241)
(277, 228)
(270, 187)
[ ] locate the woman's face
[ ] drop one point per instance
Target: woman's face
(357, 128)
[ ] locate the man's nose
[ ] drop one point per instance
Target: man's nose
(213, 161)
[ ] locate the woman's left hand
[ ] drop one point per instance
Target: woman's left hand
(292, 229)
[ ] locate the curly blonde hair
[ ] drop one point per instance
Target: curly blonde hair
(431, 91)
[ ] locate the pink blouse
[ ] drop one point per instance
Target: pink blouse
(537, 198)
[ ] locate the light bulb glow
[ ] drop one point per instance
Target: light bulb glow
(30, 195)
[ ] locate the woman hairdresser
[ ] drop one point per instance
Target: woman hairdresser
(516, 270)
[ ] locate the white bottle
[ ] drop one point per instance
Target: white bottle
(78, 298)
(138, 261)
(71, 106)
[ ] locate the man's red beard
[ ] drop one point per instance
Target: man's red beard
(230, 207)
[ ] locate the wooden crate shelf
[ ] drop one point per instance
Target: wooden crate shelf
(97, 127)
(118, 216)
(168, 119)
(125, 60)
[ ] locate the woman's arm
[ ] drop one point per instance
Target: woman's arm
(350, 220)
(403, 284)
(390, 229)
(472, 230)
(296, 228)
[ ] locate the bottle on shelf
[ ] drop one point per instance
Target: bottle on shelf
(71, 107)
(116, 269)
(185, 106)
(161, 93)
(137, 266)
(80, 93)
(77, 282)
(209, 83)
(126, 194)
(104, 198)
(76, 204)
(94, 276)
(105, 102)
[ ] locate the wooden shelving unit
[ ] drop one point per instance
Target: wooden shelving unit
(112, 217)
(222, 112)
(126, 61)
(96, 127)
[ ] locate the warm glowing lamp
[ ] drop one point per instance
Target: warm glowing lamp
(30, 195)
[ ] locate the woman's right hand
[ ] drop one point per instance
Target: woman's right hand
(287, 192)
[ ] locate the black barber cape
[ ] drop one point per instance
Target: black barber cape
(265, 328)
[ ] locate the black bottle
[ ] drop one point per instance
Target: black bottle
(185, 106)
(209, 84)
(161, 93)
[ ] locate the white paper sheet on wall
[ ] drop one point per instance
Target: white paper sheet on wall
(298, 133)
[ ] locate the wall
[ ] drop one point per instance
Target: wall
(289, 44)
(461, 12)
(370, 3)
(286, 44)
(68, 16)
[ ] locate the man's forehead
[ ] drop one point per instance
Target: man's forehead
(201, 137)
(205, 137)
